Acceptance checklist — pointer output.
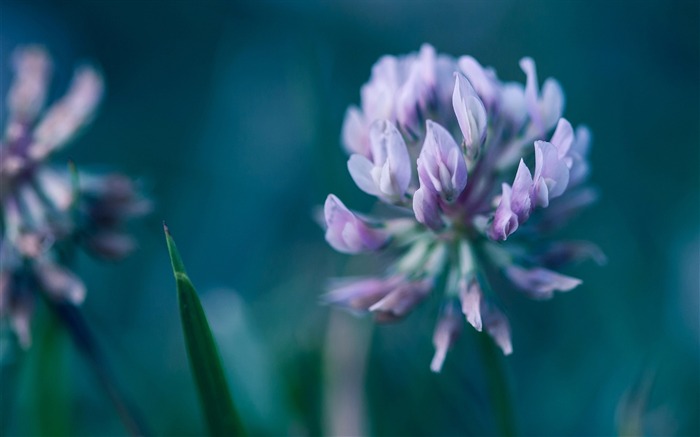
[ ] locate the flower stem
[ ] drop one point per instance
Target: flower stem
(79, 330)
(497, 381)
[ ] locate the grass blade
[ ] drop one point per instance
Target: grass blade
(205, 361)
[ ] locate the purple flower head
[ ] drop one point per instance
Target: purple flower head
(42, 206)
(479, 171)
(346, 232)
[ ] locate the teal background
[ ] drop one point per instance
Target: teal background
(230, 115)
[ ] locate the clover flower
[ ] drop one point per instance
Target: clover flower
(45, 210)
(478, 170)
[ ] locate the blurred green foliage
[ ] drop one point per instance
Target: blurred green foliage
(230, 113)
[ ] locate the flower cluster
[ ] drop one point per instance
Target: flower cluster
(466, 160)
(45, 211)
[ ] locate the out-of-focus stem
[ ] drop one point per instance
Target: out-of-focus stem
(80, 332)
(497, 381)
(345, 362)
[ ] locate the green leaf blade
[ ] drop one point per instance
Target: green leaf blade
(205, 361)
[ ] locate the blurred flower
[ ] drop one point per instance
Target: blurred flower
(474, 167)
(46, 211)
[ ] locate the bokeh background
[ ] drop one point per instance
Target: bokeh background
(230, 113)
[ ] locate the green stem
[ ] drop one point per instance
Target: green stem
(493, 360)
(53, 400)
(497, 381)
(78, 329)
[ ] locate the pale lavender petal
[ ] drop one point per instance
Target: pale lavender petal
(551, 103)
(354, 133)
(531, 90)
(565, 252)
(426, 208)
(400, 301)
(470, 112)
(442, 162)
(69, 114)
(378, 95)
(470, 296)
(26, 96)
(444, 71)
(513, 103)
(498, 327)
(579, 151)
(540, 283)
(551, 173)
(418, 89)
(446, 332)
(483, 79)
(563, 137)
(60, 283)
(346, 232)
(360, 169)
(391, 159)
(545, 108)
(505, 222)
(56, 187)
(360, 294)
(520, 201)
(21, 317)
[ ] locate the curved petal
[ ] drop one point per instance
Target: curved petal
(346, 233)
(426, 209)
(470, 112)
(540, 283)
(360, 169)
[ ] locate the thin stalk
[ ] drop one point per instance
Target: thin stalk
(497, 381)
(84, 340)
(492, 357)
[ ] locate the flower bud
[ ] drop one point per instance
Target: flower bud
(441, 165)
(346, 232)
(505, 222)
(388, 173)
(470, 112)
